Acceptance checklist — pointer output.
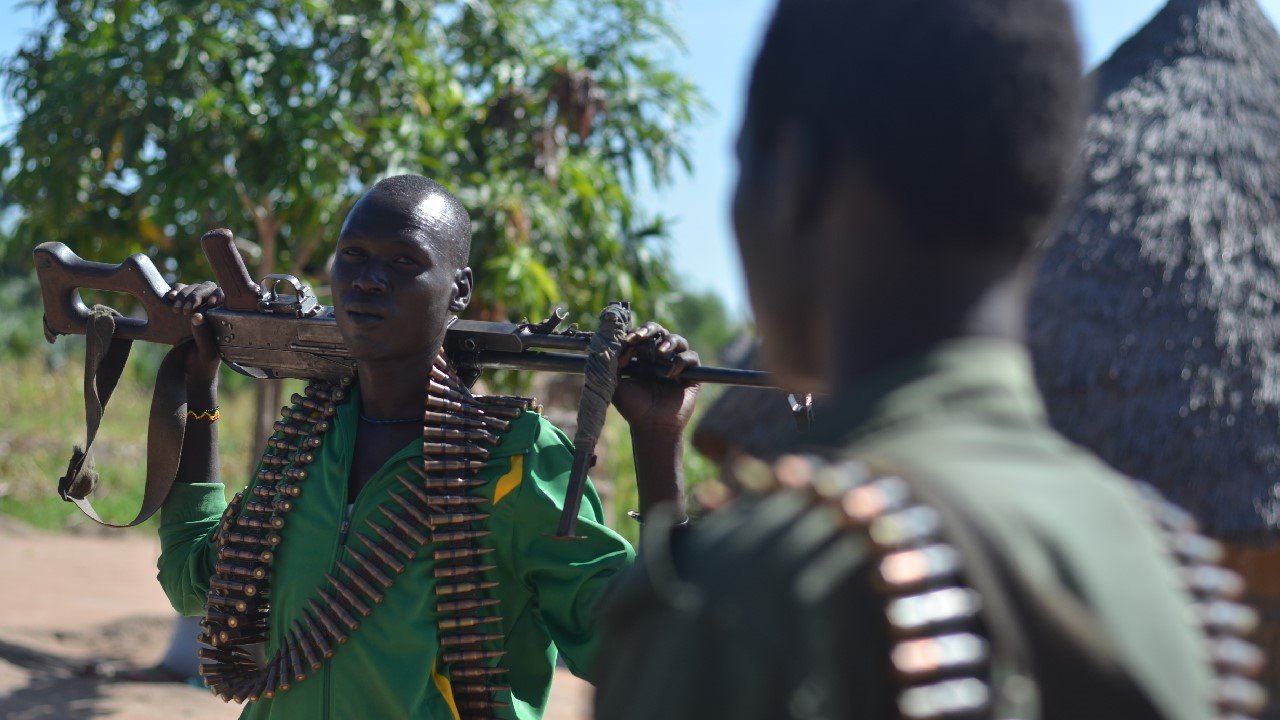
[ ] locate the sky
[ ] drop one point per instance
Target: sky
(721, 38)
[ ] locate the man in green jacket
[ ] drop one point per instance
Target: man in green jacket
(935, 550)
(393, 557)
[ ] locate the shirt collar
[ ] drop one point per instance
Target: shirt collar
(517, 439)
(975, 376)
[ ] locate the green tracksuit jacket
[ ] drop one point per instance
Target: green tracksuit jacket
(548, 588)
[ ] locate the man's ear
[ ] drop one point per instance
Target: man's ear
(463, 282)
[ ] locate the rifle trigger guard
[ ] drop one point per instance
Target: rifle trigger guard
(251, 372)
(301, 304)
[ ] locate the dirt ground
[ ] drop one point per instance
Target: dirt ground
(76, 607)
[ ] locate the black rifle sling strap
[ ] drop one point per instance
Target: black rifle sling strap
(105, 357)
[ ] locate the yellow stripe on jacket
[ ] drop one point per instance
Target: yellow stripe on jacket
(511, 480)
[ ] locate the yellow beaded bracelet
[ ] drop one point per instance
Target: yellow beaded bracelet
(205, 415)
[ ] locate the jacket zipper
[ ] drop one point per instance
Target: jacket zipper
(344, 530)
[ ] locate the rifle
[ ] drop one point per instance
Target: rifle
(272, 329)
(277, 329)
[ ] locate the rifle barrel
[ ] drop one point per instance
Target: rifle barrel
(575, 364)
(553, 341)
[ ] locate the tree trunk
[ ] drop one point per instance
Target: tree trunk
(266, 392)
(266, 403)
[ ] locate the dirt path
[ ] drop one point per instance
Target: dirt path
(71, 603)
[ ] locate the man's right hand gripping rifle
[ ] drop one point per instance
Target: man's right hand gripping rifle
(199, 461)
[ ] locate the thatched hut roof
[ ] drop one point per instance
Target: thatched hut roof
(1156, 318)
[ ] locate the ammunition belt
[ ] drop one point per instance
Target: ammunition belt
(436, 508)
(940, 653)
(1215, 592)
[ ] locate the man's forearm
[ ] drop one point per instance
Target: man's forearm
(199, 462)
(659, 458)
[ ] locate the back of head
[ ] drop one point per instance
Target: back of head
(966, 113)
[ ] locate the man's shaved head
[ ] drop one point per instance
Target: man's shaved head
(422, 204)
(400, 270)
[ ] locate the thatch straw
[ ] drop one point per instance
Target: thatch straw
(1156, 319)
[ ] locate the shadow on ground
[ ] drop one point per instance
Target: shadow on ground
(55, 675)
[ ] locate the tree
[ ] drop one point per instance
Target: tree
(702, 317)
(145, 123)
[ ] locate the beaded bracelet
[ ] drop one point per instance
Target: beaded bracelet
(206, 415)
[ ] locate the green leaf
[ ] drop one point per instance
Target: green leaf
(143, 131)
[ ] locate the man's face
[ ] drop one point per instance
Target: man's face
(780, 279)
(396, 277)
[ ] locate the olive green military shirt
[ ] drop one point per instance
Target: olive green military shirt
(766, 609)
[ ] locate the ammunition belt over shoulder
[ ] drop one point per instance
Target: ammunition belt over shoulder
(436, 507)
(1215, 592)
(940, 655)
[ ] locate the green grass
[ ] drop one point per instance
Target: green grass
(42, 416)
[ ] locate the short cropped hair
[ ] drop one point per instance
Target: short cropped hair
(967, 113)
(451, 221)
